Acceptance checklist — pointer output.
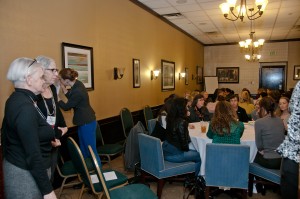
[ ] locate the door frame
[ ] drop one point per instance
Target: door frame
(283, 64)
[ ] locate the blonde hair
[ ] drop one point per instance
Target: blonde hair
(245, 97)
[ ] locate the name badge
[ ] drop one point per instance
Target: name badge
(51, 120)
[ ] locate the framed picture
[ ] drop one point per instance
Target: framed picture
(167, 75)
(228, 74)
(199, 75)
(296, 75)
(79, 58)
(136, 73)
(186, 76)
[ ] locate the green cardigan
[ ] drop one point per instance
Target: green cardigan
(236, 132)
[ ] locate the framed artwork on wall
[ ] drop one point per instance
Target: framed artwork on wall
(199, 75)
(186, 76)
(79, 58)
(136, 73)
(167, 75)
(228, 74)
(296, 75)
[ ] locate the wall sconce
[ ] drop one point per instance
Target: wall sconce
(181, 75)
(118, 73)
(154, 74)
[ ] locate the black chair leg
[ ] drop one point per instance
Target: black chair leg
(250, 185)
(160, 185)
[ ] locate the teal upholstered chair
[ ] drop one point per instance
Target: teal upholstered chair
(107, 150)
(85, 175)
(127, 121)
(148, 115)
(269, 176)
(132, 191)
(153, 163)
(227, 165)
(151, 125)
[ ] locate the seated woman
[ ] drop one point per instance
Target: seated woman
(224, 126)
(198, 111)
(241, 113)
(245, 102)
(269, 134)
(254, 113)
(283, 110)
(176, 145)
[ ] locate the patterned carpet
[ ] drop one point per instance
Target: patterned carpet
(170, 191)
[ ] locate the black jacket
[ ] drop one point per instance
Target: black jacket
(197, 115)
(78, 99)
(178, 134)
(242, 115)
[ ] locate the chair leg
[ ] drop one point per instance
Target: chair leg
(207, 190)
(250, 185)
(143, 177)
(160, 185)
(244, 194)
(61, 188)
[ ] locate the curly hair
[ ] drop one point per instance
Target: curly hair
(224, 115)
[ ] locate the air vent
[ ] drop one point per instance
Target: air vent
(173, 15)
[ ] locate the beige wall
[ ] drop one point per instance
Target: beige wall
(117, 30)
(231, 56)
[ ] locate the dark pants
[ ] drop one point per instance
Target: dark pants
(289, 179)
(267, 163)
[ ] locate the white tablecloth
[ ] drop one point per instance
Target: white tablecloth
(199, 140)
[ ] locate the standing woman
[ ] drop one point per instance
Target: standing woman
(48, 104)
(176, 145)
(198, 110)
(84, 115)
(26, 136)
(269, 134)
(290, 149)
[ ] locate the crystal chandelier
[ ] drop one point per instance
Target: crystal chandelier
(242, 9)
(251, 47)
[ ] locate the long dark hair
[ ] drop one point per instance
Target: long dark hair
(224, 115)
(68, 73)
(268, 104)
(177, 111)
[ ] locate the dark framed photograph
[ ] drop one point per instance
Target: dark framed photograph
(186, 76)
(136, 73)
(296, 75)
(199, 75)
(79, 58)
(228, 74)
(167, 75)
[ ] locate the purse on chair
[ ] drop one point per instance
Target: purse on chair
(195, 185)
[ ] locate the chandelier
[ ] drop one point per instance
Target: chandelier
(251, 47)
(242, 9)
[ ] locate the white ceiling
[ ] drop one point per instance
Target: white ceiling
(203, 20)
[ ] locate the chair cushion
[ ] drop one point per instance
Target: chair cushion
(121, 179)
(174, 169)
(110, 149)
(133, 191)
(272, 175)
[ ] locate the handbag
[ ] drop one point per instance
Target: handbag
(196, 186)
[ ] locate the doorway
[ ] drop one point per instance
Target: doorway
(272, 75)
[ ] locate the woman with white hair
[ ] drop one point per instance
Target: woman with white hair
(48, 104)
(27, 138)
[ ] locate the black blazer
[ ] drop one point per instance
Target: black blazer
(242, 115)
(78, 99)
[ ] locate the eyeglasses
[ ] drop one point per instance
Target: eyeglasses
(32, 63)
(54, 70)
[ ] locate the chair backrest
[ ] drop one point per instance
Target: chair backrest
(227, 165)
(148, 115)
(99, 172)
(151, 153)
(99, 138)
(127, 121)
(151, 125)
(79, 163)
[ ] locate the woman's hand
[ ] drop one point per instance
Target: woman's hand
(64, 130)
(55, 142)
(50, 196)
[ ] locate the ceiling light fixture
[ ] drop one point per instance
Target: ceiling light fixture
(252, 47)
(242, 9)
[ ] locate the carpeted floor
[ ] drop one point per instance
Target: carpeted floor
(170, 191)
